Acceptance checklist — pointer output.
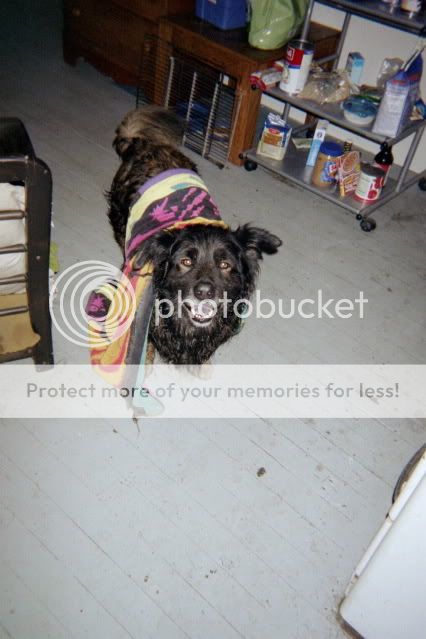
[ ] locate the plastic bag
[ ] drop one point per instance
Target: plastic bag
(326, 87)
(275, 22)
(388, 68)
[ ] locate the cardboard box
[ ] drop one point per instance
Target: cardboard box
(401, 93)
(355, 67)
(275, 137)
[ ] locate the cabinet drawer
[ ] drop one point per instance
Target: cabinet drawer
(108, 28)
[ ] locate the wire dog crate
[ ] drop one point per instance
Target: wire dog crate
(203, 97)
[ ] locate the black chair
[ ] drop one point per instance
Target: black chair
(19, 164)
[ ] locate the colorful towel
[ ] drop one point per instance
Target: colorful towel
(120, 312)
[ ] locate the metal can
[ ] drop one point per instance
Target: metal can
(411, 6)
(370, 183)
(297, 60)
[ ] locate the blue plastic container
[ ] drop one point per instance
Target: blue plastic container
(224, 14)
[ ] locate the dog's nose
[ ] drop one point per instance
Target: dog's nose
(203, 290)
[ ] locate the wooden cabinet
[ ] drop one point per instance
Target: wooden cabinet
(109, 34)
(230, 53)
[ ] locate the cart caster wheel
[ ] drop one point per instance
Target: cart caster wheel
(249, 165)
(367, 224)
(359, 217)
(422, 184)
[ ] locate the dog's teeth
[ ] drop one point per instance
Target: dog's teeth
(203, 311)
(202, 319)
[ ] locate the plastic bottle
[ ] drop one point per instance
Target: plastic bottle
(384, 159)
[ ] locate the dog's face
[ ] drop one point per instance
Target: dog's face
(201, 271)
(204, 270)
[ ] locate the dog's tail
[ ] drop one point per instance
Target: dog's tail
(156, 125)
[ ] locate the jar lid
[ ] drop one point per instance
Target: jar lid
(331, 148)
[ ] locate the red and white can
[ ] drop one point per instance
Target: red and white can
(370, 184)
(412, 6)
(297, 61)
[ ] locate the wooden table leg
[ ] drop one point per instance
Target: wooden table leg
(247, 101)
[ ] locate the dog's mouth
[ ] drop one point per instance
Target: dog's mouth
(201, 313)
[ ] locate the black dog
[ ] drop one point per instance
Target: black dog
(203, 271)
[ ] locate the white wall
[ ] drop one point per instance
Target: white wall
(375, 42)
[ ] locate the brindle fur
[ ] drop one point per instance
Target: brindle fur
(147, 142)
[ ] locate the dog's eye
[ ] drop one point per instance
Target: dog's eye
(224, 266)
(186, 261)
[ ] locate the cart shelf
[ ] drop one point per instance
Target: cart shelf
(334, 114)
(381, 12)
(293, 167)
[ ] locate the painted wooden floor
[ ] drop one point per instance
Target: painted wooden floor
(168, 532)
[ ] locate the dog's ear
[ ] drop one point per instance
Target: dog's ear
(255, 241)
(128, 148)
(156, 250)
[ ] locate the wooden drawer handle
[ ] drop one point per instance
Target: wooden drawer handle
(76, 12)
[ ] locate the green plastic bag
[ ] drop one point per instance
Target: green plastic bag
(275, 22)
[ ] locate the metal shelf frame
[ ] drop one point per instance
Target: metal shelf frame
(383, 13)
(293, 166)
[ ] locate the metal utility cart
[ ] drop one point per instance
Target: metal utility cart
(293, 166)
